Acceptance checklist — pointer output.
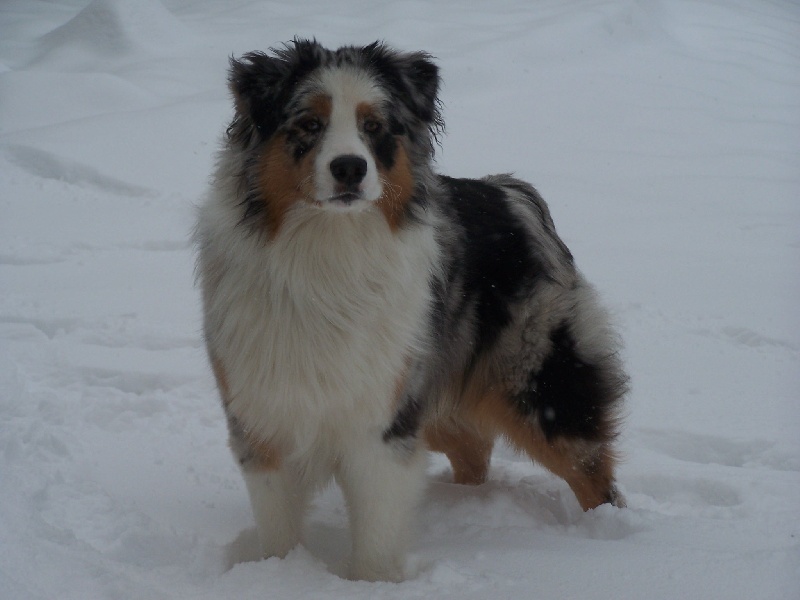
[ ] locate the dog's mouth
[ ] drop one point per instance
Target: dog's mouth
(343, 201)
(346, 198)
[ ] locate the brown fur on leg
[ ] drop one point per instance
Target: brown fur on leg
(588, 467)
(252, 453)
(467, 449)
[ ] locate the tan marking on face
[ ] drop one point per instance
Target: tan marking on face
(321, 106)
(398, 182)
(364, 111)
(398, 187)
(284, 181)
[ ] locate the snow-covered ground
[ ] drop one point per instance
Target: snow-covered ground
(666, 138)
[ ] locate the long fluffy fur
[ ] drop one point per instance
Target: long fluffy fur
(360, 308)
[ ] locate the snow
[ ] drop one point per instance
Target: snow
(666, 138)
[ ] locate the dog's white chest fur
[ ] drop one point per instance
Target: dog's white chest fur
(319, 324)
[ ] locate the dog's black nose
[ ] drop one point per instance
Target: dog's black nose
(349, 169)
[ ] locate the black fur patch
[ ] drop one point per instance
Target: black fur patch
(570, 396)
(384, 148)
(498, 263)
(300, 142)
(396, 127)
(263, 84)
(537, 203)
(406, 422)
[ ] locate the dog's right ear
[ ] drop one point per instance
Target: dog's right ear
(262, 84)
(257, 82)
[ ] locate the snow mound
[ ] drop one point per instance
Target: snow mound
(80, 95)
(110, 29)
(47, 165)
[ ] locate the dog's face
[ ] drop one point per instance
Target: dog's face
(340, 130)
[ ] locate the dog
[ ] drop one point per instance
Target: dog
(361, 309)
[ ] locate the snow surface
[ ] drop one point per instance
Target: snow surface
(666, 138)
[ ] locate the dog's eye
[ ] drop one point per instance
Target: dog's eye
(372, 126)
(311, 125)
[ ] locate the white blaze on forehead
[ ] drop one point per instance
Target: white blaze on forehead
(347, 89)
(349, 86)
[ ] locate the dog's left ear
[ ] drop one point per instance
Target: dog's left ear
(414, 77)
(423, 78)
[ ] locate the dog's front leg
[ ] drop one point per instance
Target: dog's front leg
(279, 503)
(382, 483)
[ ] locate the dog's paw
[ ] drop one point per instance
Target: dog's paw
(372, 570)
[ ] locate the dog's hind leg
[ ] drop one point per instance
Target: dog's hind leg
(468, 449)
(587, 466)
(568, 415)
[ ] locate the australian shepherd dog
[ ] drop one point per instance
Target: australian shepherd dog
(361, 309)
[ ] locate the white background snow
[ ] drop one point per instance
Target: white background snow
(666, 138)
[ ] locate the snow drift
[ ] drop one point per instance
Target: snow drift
(666, 138)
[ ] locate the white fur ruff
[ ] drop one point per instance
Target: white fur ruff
(315, 330)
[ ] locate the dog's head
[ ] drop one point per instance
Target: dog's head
(342, 130)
